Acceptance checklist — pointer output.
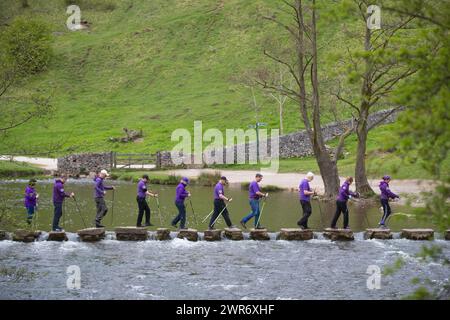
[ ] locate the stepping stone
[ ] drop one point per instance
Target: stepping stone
(3, 235)
(295, 234)
(259, 234)
(163, 234)
(213, 235)
(377, 233)
(25, 235)
(447, 235)
(338, 234)
(417, 234)
(57, 236)
(91, 234)
(188, 234)
(233, 234)
(131, 233)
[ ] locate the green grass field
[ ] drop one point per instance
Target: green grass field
(159, 65)
(13, 169)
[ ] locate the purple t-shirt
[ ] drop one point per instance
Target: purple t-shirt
(218, 190)
(344, 192)
(30, 197)
(253, 189)
(304, 186)
(142, 189)
(181, 193)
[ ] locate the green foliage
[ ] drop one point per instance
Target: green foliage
(27, 46)
(208, 179)
(13, 169)
(100, 5)
(398, 264)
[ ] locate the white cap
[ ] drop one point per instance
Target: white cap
(104, 172)
(310, 175)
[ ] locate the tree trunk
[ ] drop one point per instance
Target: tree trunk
(361, 182)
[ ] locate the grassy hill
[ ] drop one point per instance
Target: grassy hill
(152, 65)
(159, 65)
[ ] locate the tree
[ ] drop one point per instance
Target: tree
(377, 69)
(25, 50)
(303, 69)
(280, 97)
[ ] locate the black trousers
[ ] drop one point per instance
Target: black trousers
(219, 205)
(307, 210)
(341, 207)
(57, 213)
(143, 207)
(102, 209)
(386, 210)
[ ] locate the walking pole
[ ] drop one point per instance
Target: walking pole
(79, 211)
(193, 212)
(218, 216)
(112, 208)
(262, 209)
(206, 218)
(159, 211)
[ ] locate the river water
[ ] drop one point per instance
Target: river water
(179, 269)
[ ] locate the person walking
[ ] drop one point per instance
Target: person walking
(59, 194)
(386, 194)
(142, 193)
(305, 193)
(99, 195)
(341, 203)
(30, 200)
(219, 204)
(180, 195)
(254, 195)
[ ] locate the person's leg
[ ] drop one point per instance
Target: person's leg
(140, 211)
(336, 215)
(226, 215)
(257, 211)
(307, 210)
(178, 217)
(253, 212)
(183, 216)
(30, 213)
(147, 213)
(57, 213)
(345, 213)
(102, 210)
(217, 209)
(98, 216)
(386, 209)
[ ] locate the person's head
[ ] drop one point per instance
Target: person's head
(310, 176)
(223, 180)
(258, 177)
(185, 181)
(145, 178)
(32, 182)
(387, 178)
(63, 178)
(349, 180)
(103, 174)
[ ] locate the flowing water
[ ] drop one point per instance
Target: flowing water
(179, 269)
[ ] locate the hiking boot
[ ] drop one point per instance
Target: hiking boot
(98, 225)
(243, 225)
(59, 229)
(260, 227)
(182, 228)
(211, 228)
(148, 224)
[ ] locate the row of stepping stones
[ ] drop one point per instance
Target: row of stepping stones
(141, 234)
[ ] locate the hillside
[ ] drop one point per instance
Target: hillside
(156, 66)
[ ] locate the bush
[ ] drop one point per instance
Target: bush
(208, 179)
(27, 46)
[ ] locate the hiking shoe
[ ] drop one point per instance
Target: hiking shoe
(243, 225)
(211, 228)
(148, 224)
(98, 225)
(260, 227)
(59, 229)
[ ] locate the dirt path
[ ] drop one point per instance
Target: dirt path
(44, 163)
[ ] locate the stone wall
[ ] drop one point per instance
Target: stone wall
(84, 163)
(292, 145)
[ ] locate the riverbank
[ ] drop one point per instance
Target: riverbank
(14, 169)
